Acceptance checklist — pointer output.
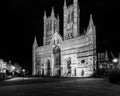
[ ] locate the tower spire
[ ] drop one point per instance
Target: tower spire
(65, 5)
(45, 15)
(91, 21)
(45, 21)
(34, 56)
(91, 26)
(35, 43)
(52, 13)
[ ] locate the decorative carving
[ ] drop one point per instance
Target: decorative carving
(83, 61)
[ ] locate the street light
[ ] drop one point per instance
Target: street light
(23, 71)
(13, 68)
(115, 61)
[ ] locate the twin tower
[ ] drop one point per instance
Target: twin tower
(70, 26)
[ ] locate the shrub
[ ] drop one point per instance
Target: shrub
(114, 76)
(2, 76)
(100, 73)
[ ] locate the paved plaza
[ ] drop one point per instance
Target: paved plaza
(58, 87)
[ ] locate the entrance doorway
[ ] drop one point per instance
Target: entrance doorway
(48, 67)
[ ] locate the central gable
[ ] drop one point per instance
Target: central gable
(57, 38)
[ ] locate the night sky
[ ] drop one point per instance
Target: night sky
(24, 21)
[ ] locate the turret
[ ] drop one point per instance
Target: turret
(53, 18)
(76, 18)
(35, 45)
(64, 19)
(52, 13)
(44, 37)
(45, 17)
(91, 32)
(65, 6)
(91, 27)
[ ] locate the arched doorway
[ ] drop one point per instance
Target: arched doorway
(47, 67)
(42, 69)
(57, 60)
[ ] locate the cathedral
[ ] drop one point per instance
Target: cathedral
(70, 55)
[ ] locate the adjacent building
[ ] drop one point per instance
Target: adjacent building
(103, 61)
(2, 66)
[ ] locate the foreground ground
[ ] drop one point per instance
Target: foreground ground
(58, 87)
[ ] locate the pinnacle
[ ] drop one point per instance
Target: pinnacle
(91, 26)
(45, 15)
(35, 41)
(52, 13)
(91, 21)
(65, 4)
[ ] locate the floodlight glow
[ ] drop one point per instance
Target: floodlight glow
(13, 68)
(115, 60)
(23, 70)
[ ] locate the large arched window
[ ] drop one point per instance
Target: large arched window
(57, 55)
(68, 63)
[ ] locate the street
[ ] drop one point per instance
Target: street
(59, 87)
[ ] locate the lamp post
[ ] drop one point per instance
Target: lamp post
(23, 70)
(13, 70)
(115, 61)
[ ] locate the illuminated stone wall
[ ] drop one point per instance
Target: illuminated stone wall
(73, 55)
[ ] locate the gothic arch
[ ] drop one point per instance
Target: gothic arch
(47, 69)
(57, 60)
(42, 68)
(57, 55)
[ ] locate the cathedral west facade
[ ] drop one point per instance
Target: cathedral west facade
(72, 54)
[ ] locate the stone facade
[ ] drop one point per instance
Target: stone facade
(103, 61)
(74, 54)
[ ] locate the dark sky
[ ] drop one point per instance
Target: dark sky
(25, 20)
